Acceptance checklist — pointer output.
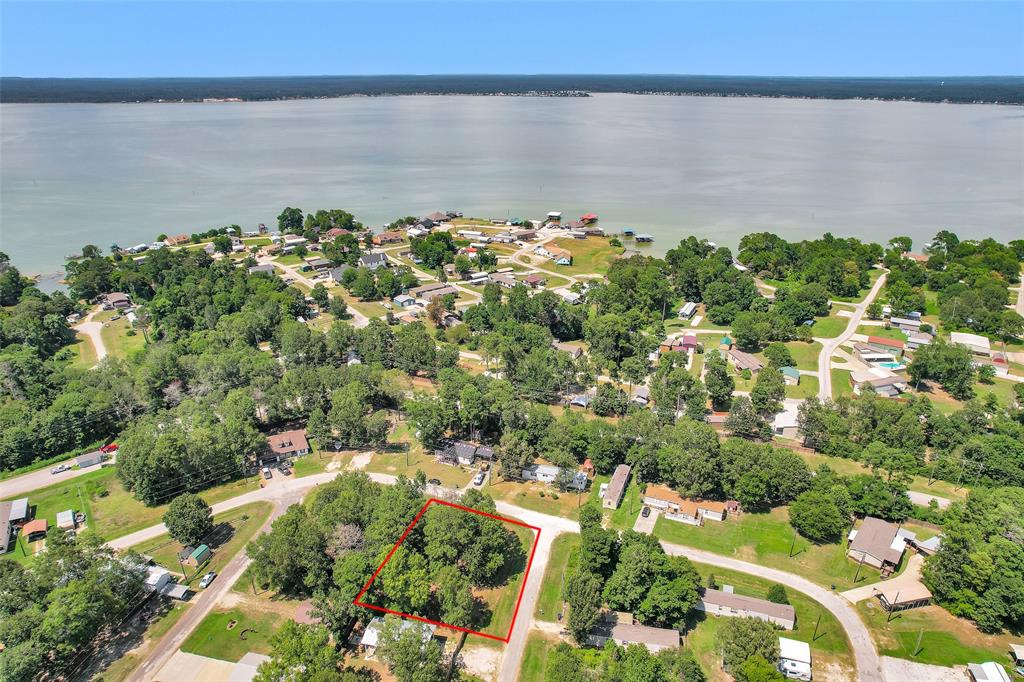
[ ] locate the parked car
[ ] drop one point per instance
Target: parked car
(107, 449)
(479, 478)
(646, 512)
(283, 468)
(207, 579)
(267, 473)
(434, 481)
(60, 468)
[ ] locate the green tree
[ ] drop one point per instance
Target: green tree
(740, 639)
(758, 669)
(401, 646)
(815, 515)
(300, 653)
(768, 391)
(565, 664)
(719, 382)
(320, 295)
(290, 220)
(779, 355)
(583, 594)
(188, 519)
(777, 594)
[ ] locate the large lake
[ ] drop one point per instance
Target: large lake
(672, 166)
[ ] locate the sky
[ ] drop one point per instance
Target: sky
(824, 38)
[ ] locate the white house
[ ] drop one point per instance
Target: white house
(156, 578)
(547, 473)
(979, 345)
(371, 635)
(795, 659)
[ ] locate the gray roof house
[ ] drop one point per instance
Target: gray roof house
(373, 260)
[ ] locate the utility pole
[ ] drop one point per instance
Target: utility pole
(792, 546)
(859, 564)
(816, 624)
(892, 607)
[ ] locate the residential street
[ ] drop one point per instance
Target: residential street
(26, 483)
(293, 489)
(358, 319)
(829, 345)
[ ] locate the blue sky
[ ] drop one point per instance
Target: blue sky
(822, 38)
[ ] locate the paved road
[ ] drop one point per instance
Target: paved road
(26, 483)
(358, 319)
(829, 345)
(909, 579)
(924, 499)
(869, 666)
(93, 331)
(292, 490)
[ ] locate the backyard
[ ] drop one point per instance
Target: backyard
(118, 336)
(591, 255)
(230, 634)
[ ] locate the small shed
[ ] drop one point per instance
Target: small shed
(66, 519)
(199, 556)
(791, 375)
(35, 529)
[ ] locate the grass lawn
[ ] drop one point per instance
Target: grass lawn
(632, 501)
(399, 463)
(538, 497)
(213, 638)
(535, 658)
(765, 539)
(118, 341)
(289, 259)
(591, 255)
(553, 282)
(807, 387)
(890, 333)
(947, 404)
(233, 529)
(945, 639)
(697, 366)
(841, 382)
(85, 352)
(502, 600)
(368, 308)
(804, 354)
(109, 508)
(829, 327)
(256, 241)
(564, 553)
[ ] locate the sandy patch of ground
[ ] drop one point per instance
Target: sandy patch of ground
(902, 669)
(481, 661)
(360, 461)
(333, 465)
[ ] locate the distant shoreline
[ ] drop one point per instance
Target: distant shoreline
(958, 90)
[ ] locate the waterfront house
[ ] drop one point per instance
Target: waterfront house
(644, 237)
(178, 240)
(730, 604)
(116, 301)
(612, 495)
(390, 237)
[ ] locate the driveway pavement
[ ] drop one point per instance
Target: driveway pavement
(93, 331)
(646, 525)
(829, 345)
(907, 581)
(26, 483)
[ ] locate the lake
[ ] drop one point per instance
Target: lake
(72, 174)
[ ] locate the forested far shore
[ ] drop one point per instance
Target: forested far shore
(987, 89)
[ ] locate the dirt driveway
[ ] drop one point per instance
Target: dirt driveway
(646, 525)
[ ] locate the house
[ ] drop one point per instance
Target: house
(620, 628)
(287, 444)
(929, 546)
(472, 235)
(334, 233)
(450, 320)
(157, 577)
(392, 237)
(319, 264)
(979, 345)
(688, 310)
(547, 473)
(116, 301)
(588, 468)
(178, 240)
(338, 273)
(264, 267)
(416, 232)
(66, 519)
(573, 351)
(894, 346)
(293, 240)
(560, 256)
(270, 249)
(786, 423)
(742, 361)
(479, 278)
(907, 324)
(403, 300)
(612, 495)
(581, 400)
(555, 216)
(722, 603)
(373, 261)
(877, 543)
(420, 290)
(571, 297)
(436, 216)
(524, 235)
(870, 355)
(644, 237)
(6, 526)
(790, 375)
(371, 635)
(504, 280)
(678, 508)
(198, 556)
(534, 280)
(90, 459)
(464, 453)
(795, 659)
(989, 671)
(915, 341)
(880, 381)
(438, 291)
(907, 596)
(641, 396)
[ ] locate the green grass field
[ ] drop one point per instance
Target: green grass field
(84, 352)
(829, 327)
(890, 333)
(233, 529)
(502, 600)
(591, 255)
(807, 387)
(289, 259)
(840, 382)
(535, 658)
(944, 639)
(765, 539)
(697, 366)
(119, 343)
(213, 638)
(805, 354)
(564, 551)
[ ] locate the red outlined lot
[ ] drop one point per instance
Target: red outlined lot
(519, 599)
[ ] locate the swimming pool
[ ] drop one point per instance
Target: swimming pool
(891, 365)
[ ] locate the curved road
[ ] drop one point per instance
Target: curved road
(289, 491)
(829, 345)
(94, 331)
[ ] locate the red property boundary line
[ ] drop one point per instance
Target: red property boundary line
(522, 590)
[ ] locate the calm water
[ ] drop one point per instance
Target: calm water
(672, 166)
